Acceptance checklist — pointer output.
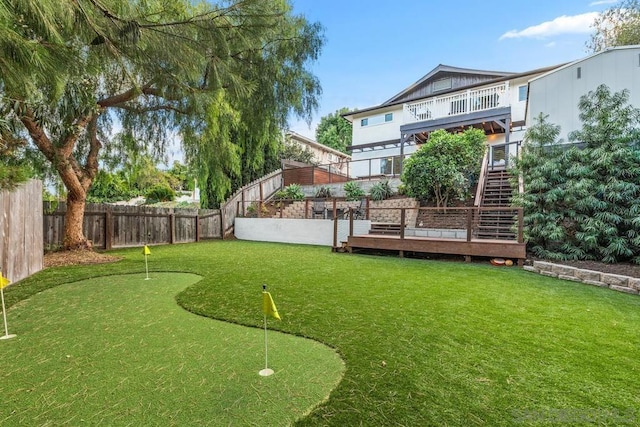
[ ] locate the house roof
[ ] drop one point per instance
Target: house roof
(501, 76)
(586, 58)
(311, 142)
(440, 69)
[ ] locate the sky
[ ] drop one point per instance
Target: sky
(374, 49)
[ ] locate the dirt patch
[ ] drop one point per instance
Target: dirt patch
(61, 258)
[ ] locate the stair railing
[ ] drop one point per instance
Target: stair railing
(482, 178)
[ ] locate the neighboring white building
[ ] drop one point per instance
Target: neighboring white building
(446, 98)
(557, 92)
(323, 155)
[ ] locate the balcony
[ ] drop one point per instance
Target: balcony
(457, 104)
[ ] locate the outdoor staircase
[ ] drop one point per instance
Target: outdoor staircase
(497, 193)
(386, 228)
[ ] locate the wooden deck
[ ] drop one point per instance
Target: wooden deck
(487, 232)
(475, 247)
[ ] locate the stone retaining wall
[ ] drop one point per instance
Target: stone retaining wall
(630, 285)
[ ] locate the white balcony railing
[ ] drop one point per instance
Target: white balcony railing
(466, 102)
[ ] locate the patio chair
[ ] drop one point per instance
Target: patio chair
(318, 209)
(360, 211)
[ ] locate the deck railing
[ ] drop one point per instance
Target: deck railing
(469, 101)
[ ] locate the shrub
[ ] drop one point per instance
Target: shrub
(252, 210)
(353, 191)
(160, 193)
(584, 203)
(323, 193)
(10, 176)
(444, 167)
(280, 195)
(381, 190)
(294, 192)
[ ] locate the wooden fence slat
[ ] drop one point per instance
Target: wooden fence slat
(21, 229)
(113, 226)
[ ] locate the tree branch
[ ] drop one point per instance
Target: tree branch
(150, 109)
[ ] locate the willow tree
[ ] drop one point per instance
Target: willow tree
(74, 71)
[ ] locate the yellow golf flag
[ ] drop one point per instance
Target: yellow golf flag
(146, 250)
(268, 306)
(3, 281)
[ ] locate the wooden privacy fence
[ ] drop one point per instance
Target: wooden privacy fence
(261, 189)
(21, 251)
(114, 226)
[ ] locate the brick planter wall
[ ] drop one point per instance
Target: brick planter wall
(630, 285)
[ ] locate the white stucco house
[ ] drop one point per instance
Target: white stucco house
(449, 98)
(557, 92)
(503, 104)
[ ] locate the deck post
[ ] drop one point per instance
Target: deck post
(402, 220)
(469, 223)
(350, 222)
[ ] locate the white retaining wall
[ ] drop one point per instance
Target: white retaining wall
(302, 231)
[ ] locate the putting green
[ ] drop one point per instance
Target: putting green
(118, 350)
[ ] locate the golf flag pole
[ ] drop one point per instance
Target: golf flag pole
(268, 308)
(146, 252)
(4, 282)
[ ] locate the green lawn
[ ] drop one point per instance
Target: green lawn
(424, 342)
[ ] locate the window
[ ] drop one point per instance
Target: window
(376, 120)
(441, 84)
(579, 72)
(522, 93)
(390, 165)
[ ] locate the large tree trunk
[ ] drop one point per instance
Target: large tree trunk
(76, 178)
(74, 237)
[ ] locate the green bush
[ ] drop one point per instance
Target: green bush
(160, 193)
(381, 190)
(294, 192)
(445, 166)
(353, 191)
(584, 204)
(280, 195)
(323, 193)
(109, 187)
(10, 176)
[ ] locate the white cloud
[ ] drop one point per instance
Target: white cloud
(550, 44)
(601, 2)
(576, 24)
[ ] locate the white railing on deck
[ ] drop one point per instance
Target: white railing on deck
(466, 102)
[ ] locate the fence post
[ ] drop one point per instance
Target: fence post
(335, 232)
(197, 227)
(108, 229)
(222, 222)
(172, 228)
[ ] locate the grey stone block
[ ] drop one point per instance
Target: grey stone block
(563, 270)
(543, 266)
(634, 284)
(615, 280)
(530, 268)
(588, 275)
(624, 289)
